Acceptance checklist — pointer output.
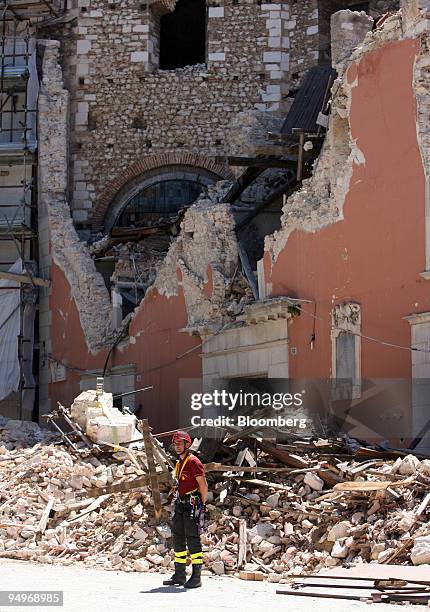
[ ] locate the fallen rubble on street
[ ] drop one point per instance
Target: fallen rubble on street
(274, 511)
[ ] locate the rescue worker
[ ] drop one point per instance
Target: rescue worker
(191, 493)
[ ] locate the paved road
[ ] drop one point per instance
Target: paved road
(92, 590)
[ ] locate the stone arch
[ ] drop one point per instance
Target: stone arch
(133, 177)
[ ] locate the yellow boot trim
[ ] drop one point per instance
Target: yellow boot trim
(197, 558)
(181, 557)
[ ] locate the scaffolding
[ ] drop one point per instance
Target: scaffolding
(19, 84)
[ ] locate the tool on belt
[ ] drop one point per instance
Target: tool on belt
(193, 502)
(192, 498)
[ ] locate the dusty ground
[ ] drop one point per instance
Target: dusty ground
(90, 590)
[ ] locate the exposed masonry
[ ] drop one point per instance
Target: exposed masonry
(304, 38)
(207, 233)
(123, 108)
(207, 238)
(148, 164)
(416, 23)
(117, 86)
(88, 289)
(348, 30)
(321, 199)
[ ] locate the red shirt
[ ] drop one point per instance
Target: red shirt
(186, 471)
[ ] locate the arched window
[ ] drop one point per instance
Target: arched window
(160, 199)
(183, 35)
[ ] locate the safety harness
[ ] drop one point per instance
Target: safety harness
(178, 478)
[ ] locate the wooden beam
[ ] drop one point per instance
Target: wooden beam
(45, 516)
(241, 183)
(25, 278)
(153, 478)
(243, 540)
(127, 485)
(263, 162)
(248, 270)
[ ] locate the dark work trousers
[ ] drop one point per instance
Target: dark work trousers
(185, 529)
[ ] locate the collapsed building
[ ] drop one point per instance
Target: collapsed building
(247, 201)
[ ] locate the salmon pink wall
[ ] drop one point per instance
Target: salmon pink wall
(375, 254)
(155, 353)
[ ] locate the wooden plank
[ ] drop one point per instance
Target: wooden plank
(220, 467)
(249, 458)
(127, 485)
(255, 576)
(329, 477)
(327, 584)
(93, 506)
(367, 485)
(283, 456)
(162, 457)
(240, 456)
(400, 550)
(364, 466)
(153, 478)
(243, 539)
(64, 509)
(266, 483)
(25, 278)
(45, 516)
(321, 595)
(378, 582)
(423, 505)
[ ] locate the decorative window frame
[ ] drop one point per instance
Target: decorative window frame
(346, 317)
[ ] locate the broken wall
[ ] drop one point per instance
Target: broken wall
(355, 232)
(191, 287)
(375, 9)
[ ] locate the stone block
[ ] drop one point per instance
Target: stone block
(139, 56)
(216, 11)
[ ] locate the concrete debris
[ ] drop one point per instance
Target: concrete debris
(101, 421)
(249, 133)
(16, 434)
(421, 551)
(314, 481)
(191, 241)
(50, 513)
(408, 465)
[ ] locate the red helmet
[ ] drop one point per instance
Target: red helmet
(181, 435)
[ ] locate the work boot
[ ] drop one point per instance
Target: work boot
(179, 577)
(195, 580)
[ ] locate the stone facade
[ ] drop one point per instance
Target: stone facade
(123, 108)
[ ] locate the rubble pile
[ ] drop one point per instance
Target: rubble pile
(21, 434)
(295, 527)
(138, 263)
(45, 514)
(273, 519)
